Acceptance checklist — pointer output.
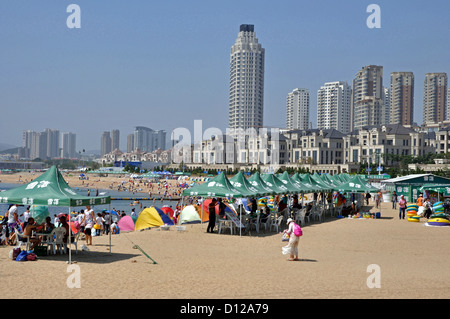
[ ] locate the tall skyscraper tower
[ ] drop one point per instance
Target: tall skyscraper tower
(105, 143)
(246, 103)
(334, 106)
(368, 107)
(402, 98)
(435, 98)
(297, 110)
(68, 145)
(115, 140)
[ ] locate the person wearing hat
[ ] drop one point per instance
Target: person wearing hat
(291, 248)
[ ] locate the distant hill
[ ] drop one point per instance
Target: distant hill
(4, 146)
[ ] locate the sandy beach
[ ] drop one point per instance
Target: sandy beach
(334, 260)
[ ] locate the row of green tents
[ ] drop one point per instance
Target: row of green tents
(276, 184)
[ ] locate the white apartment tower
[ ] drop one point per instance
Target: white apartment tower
(368, 106)
(246, 103)
(334, 106)
(297, 110)
(68, 145)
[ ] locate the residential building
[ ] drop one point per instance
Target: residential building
(148, 140)
(334, 106)
(368, 106)
(380, 144)
(115, 139)
(435, 98)
(297, 109)
(105, 143)
(53, 138)
(68, 145)
(402, 98)
(246, 100)
(315, 146)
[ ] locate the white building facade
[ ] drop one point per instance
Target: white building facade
(334, 106)
(297, 110)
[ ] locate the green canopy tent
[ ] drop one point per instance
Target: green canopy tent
(437, 188)
(440, 189)
(262, 187)
(306, 183)
(50, 189)
(356, 184)
(278, 186)
(293, 184)
(321, 181)
(218, 186)
(245, 187)
(318, 184)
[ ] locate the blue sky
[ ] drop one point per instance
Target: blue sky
(164, 64)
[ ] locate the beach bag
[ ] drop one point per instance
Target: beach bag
(297, 230)
(14, 253)
(31, 257)
(22, 256)
(285, 237)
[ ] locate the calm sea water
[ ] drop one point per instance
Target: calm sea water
(117, 205)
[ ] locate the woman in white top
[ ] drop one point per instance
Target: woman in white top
(89, 222)
(291, 248)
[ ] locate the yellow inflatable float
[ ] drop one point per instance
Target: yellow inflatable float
(414, 219)
(438, 222)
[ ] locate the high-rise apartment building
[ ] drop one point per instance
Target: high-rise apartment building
(115, 140)
(297, 110)
(130, 143)
(69, 144)
(448, 105)
(435, 98)
(368, 92)
(387, 104)
(246, 102)
(148, 140)
(105, 143)
(334, 106)
(402, 98)
(52, 143)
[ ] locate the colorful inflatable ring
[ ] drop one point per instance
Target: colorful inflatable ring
(412, 211)
(412, 205)
(438, 203)
(441, 215)
(439, 222)
(415, 220)
(411, 214)
(438, 207)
